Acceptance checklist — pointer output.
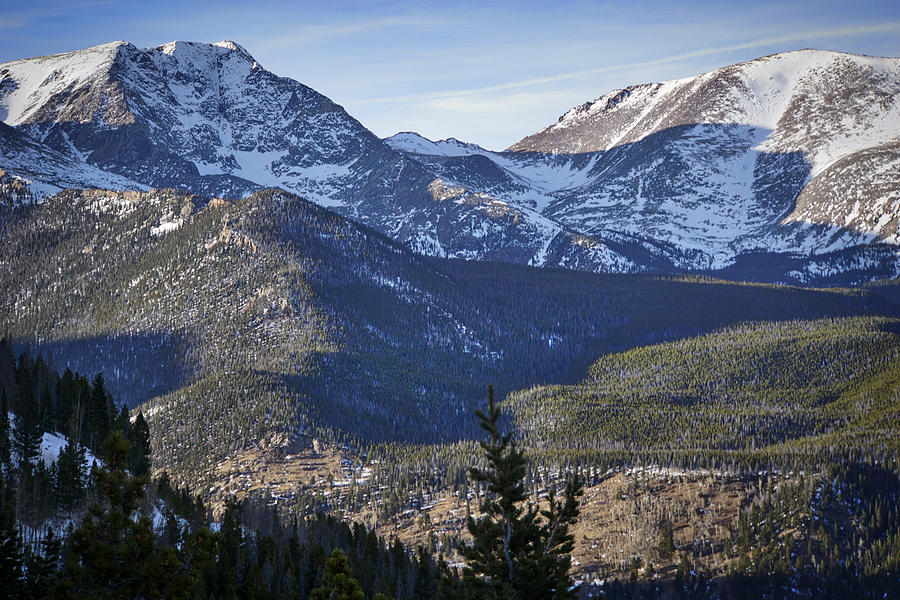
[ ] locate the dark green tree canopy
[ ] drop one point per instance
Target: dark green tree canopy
(519, 550)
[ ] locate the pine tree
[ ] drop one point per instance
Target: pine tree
(79, 418)
(666, 542)
(5, 445)
(99, 421)
(139, 454)
(70, 470)
(230, 549)
(45, 404)
(518, 550)
(65, 401)
(7, 366)
(339, 583)
(12, 551)
(28, 433)
(111, 554)
(43, 568)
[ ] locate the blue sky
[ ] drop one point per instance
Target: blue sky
(485, 72)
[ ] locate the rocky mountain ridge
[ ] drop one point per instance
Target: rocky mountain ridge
(789, 161)
(210, 119)
(792, 155)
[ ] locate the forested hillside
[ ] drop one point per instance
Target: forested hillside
(783, 397)
(236, 321)
(80, 517)
(815, 392)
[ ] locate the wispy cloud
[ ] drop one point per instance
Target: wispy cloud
(316, 33)
(799, 36)
(7, 22)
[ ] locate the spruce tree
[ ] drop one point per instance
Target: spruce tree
(120, 422)
(114, 554)
(28, 433)
(65, 401)
(7, 366)
(45, 403)
(231, 546)
(5, 444)
(139, 454)
(70, 469)
(98, 417)
(79, 418)
(339, 583)
(24, 381)
(12, 550)
(111, 553)
(519, 550)
(43, 568)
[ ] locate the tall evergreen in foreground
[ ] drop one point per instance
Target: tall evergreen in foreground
(113, 553)
(520, 550)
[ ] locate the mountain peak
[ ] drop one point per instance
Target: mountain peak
(410, 141)
(191, 51)
(754, 93)
(235, 47)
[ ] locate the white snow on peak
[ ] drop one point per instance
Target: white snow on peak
(412, 142)
(29, 83)
(234, 47)
(769, 87)
(202, 104)
(200, 51)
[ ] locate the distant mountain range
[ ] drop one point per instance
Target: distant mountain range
(785, 168)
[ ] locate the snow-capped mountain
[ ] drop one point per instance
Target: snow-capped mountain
(795, 153)
(794, 156)
(788, 162)
(209, 118)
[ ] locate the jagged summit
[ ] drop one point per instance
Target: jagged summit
(208, 118)
(194, 50)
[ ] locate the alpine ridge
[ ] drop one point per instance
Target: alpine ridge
(783, 169)
(785, 162)
(210, 119)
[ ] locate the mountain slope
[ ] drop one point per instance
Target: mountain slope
(784, 162)
(272, 316)
(792, 156)
(46, 171)
(758, 155)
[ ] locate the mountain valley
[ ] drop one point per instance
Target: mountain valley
(687, 293)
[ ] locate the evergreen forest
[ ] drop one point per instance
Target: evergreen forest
(258, 398)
